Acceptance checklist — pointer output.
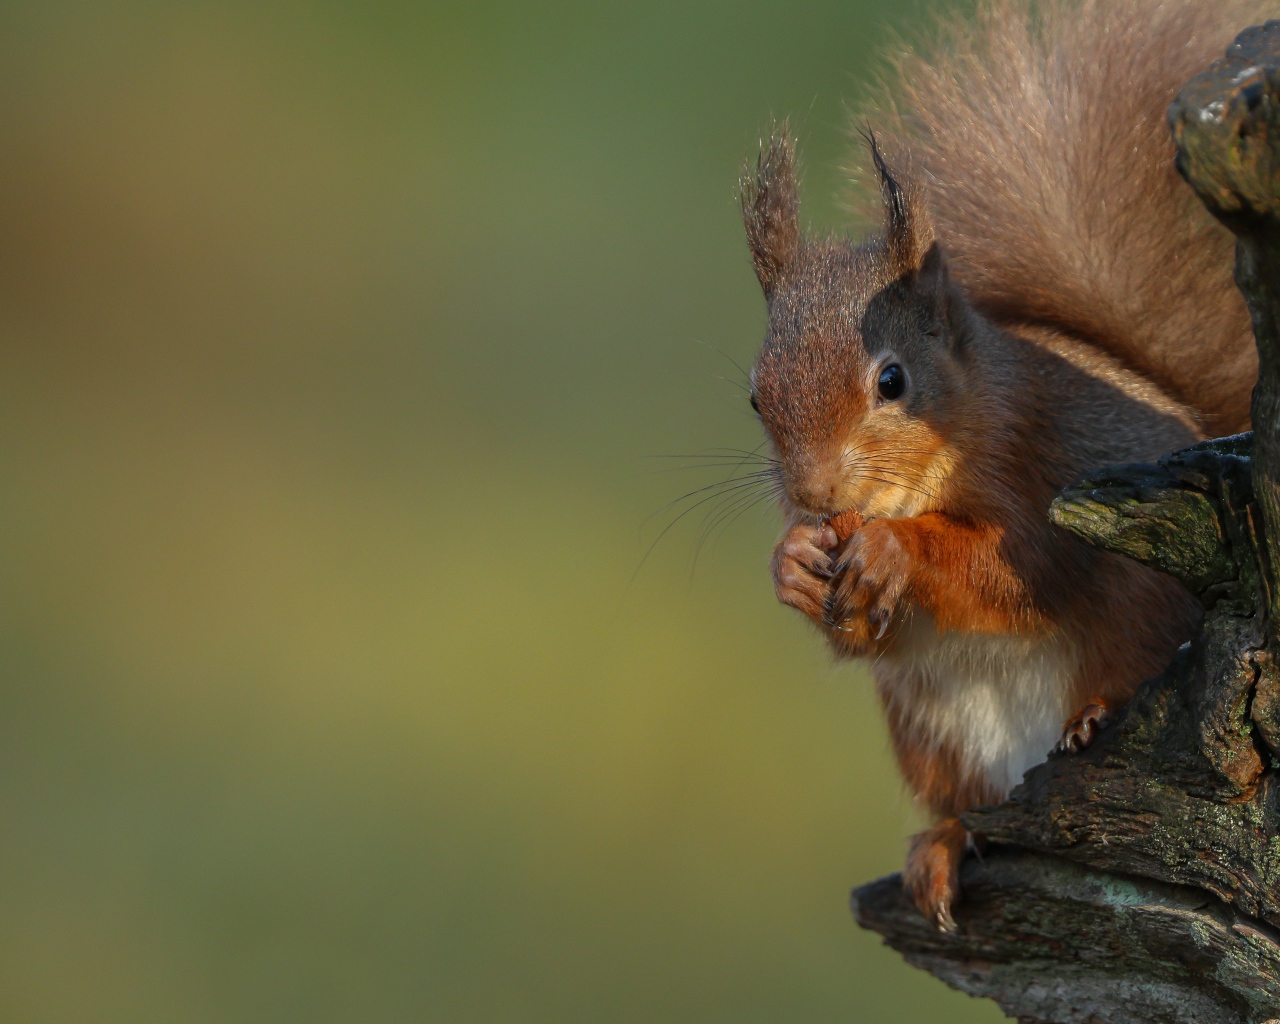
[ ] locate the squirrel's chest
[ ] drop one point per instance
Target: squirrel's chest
(995, 702)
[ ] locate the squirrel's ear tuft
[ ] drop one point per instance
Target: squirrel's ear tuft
(770, 208)
(908, 233)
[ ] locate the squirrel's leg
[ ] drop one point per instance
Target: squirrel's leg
(932, 872)
(938, 775)
(1084, 727)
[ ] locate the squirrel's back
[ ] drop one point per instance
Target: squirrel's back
(1039, 134)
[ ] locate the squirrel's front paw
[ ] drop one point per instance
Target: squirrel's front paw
(871, 577)
(932, 872)
(802, 568)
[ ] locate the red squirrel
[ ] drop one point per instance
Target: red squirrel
(1046, 297)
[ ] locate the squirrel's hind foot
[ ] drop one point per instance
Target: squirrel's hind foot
(932, 872)
(1083, 729)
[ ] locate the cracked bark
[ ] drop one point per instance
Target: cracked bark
(1140, 881)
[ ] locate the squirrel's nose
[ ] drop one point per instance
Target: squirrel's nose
(815, 493)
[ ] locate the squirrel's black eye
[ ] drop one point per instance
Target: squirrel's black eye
(892, 383)
(754, 404)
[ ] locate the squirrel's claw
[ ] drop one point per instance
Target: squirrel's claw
(829, 612)
(836, 611)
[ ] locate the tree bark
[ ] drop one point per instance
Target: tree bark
(1140, 881)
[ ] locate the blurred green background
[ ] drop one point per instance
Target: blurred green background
(337, 341)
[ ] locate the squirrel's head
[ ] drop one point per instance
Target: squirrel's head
(860, 370)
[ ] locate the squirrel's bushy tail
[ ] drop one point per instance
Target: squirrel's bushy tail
(1038, 131)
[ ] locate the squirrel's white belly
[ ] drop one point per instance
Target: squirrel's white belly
(998, 701)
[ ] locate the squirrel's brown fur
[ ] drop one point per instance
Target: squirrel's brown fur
(1046, 298)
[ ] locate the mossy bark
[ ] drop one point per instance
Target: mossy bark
(1140, 881)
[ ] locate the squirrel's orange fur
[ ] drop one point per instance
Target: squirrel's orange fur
(1046, 298)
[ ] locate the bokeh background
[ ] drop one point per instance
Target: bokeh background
(339, 345)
